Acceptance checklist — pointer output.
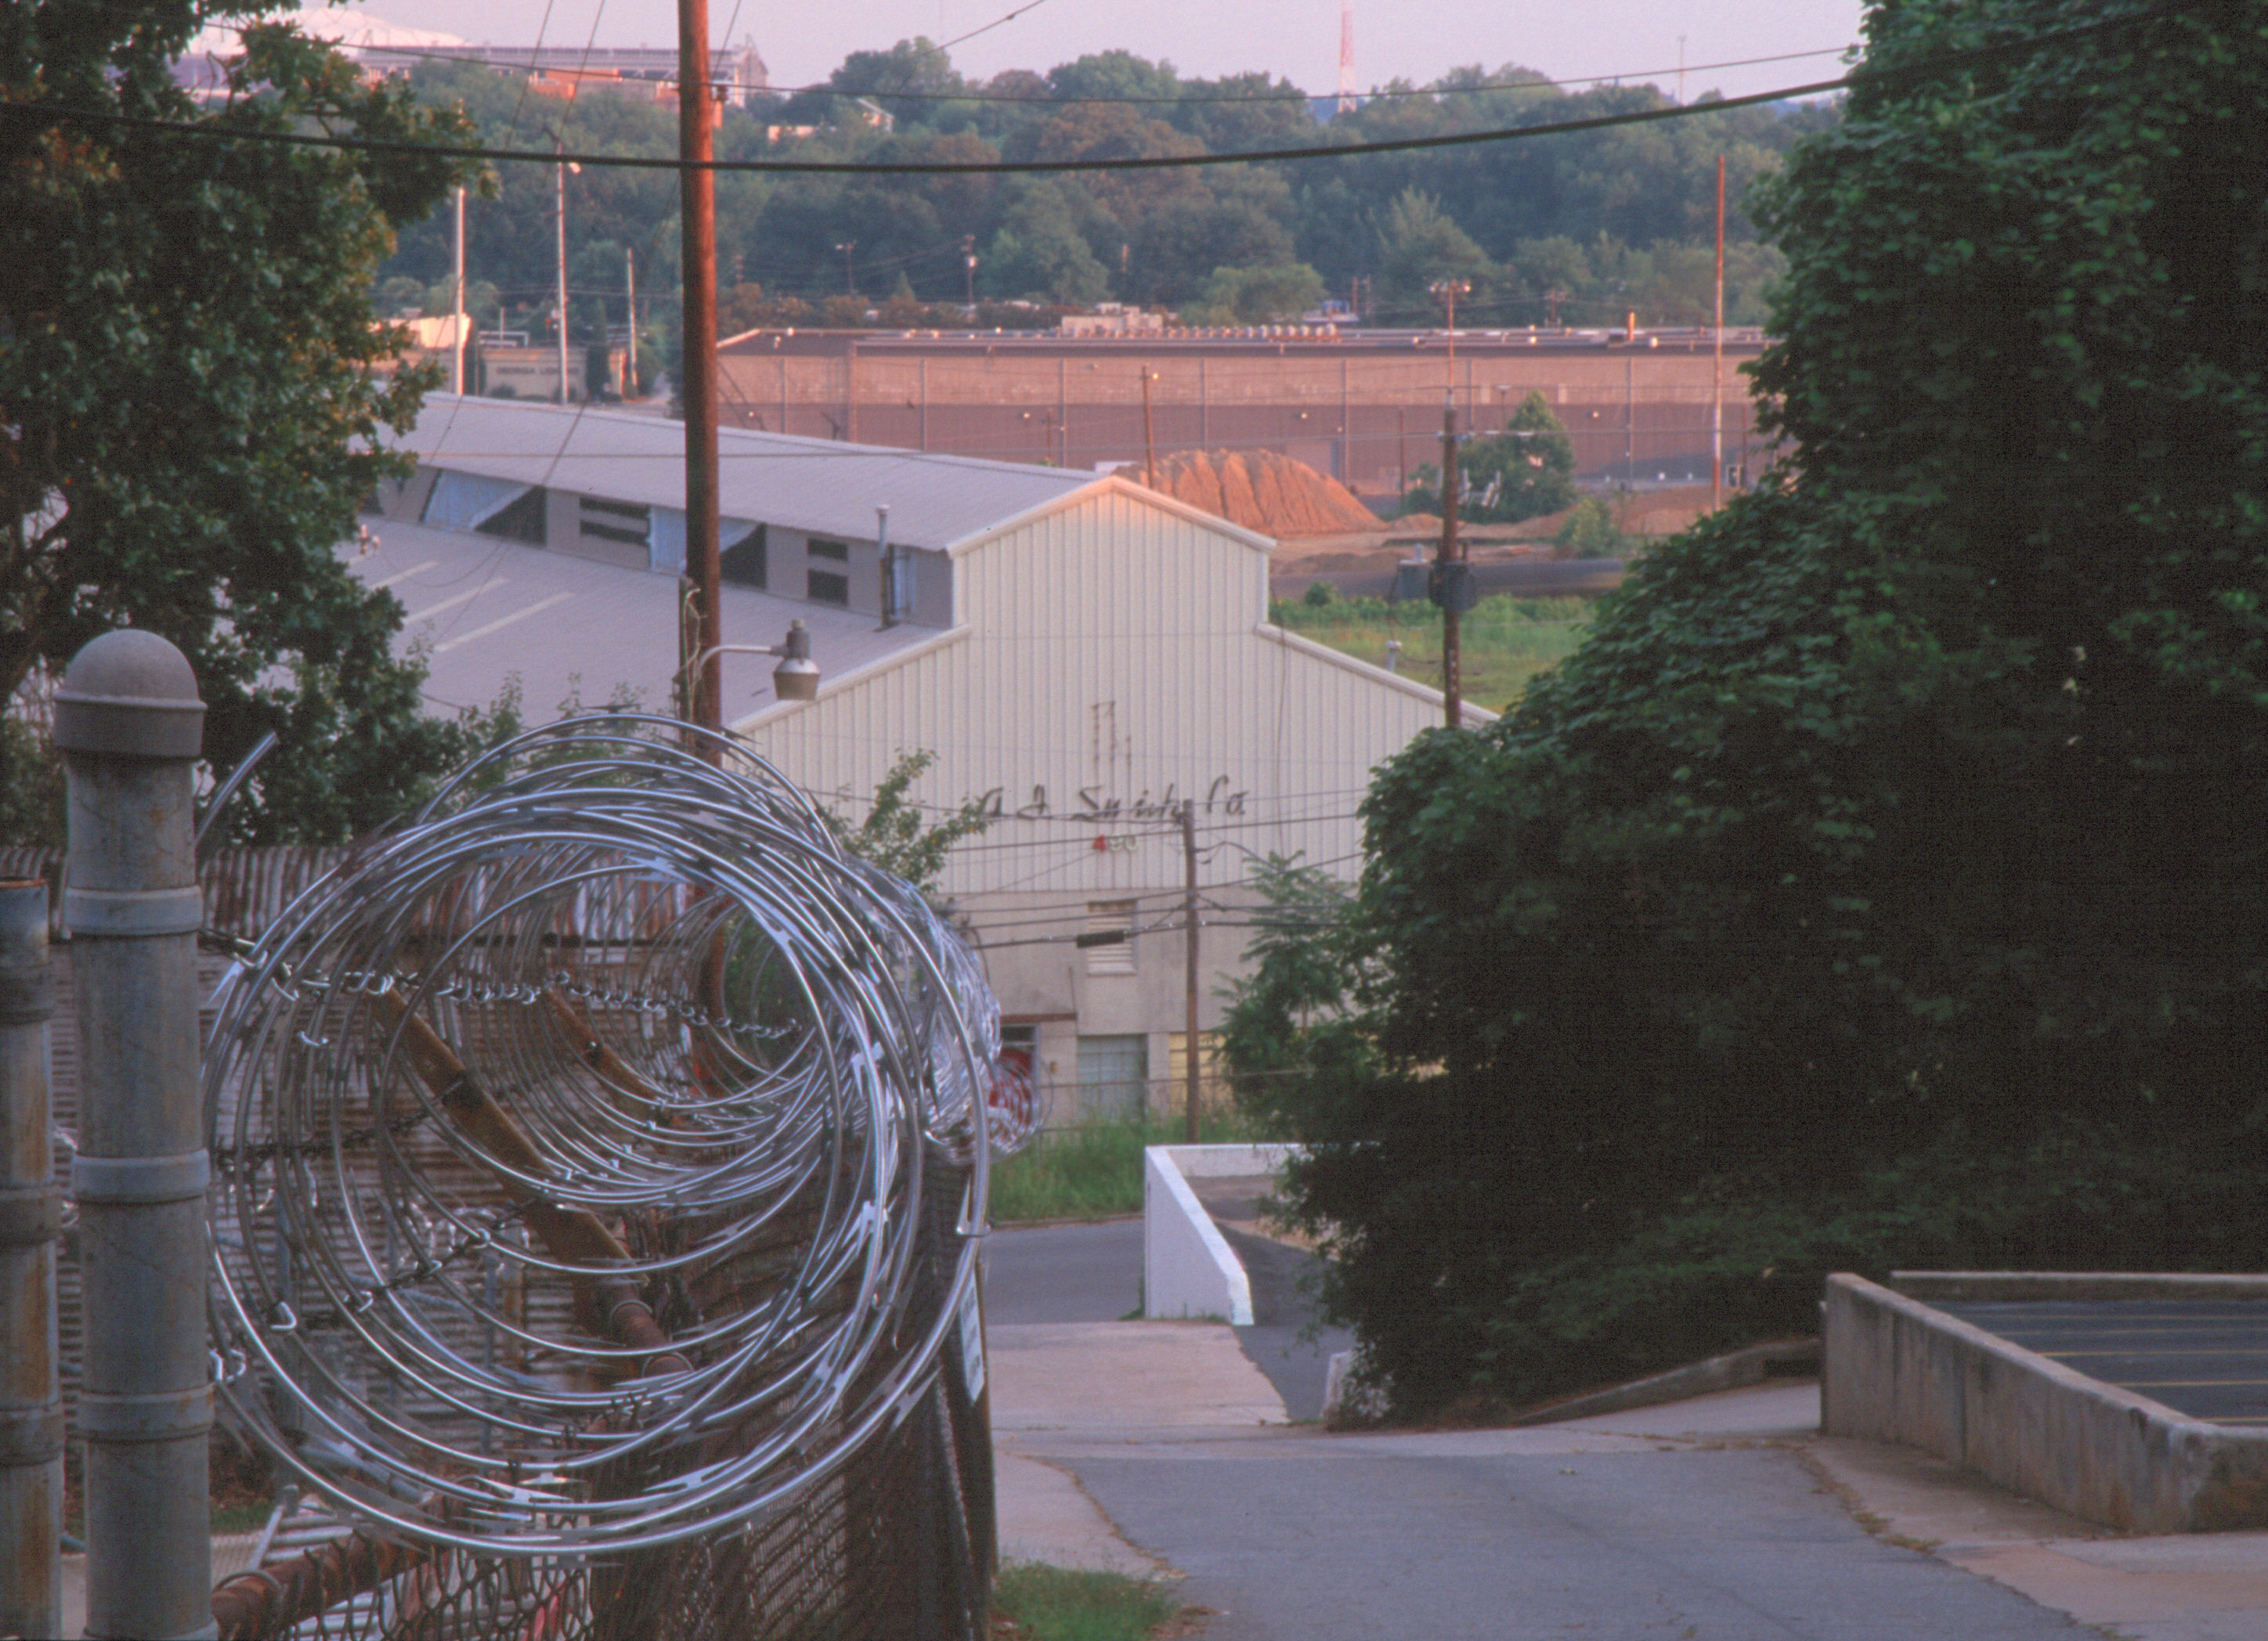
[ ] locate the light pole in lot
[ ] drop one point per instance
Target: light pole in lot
(559, 212)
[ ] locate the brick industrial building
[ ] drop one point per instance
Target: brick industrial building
(1363, 407)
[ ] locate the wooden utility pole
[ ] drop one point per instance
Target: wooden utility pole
(559, 190)
(698, 195)
(1189, 940)
(1717, 361)
(1451, 551)
(457, 306)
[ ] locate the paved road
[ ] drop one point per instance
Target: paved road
(1505, 1535)
(2205, 1358)
(1089, 1273)
(1093, 1273)
(1284, 1341)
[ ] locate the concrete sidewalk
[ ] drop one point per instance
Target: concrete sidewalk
(1156, 1447)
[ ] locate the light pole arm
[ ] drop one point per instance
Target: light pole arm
(716, 650)
(795, 679)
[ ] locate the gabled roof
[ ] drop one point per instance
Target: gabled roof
(1111, 484)
(486, 611)
(811, 484)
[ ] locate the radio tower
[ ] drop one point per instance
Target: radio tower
(1346, 56)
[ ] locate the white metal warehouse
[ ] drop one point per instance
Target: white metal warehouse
(1079, 651)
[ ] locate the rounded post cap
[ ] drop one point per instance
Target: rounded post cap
(131, 695)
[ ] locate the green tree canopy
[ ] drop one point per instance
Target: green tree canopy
(1886, 879)
(1526, 470)
(191, 383)
(1625, 198)
(1257, 296)
(1419, 246)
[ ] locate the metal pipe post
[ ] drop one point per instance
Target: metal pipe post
(129, 723)
(1189, 927)
(1451, 551)
(31, 1216)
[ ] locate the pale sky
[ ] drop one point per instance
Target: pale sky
(1298, 39)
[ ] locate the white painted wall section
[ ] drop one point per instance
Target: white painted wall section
(1187, 1267)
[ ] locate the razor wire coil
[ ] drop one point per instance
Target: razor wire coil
(570, 1142)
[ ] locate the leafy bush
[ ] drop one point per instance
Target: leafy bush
(1885, 879)
(1590, 532)
(1523, 472)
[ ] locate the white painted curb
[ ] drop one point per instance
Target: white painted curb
(1187, 1268)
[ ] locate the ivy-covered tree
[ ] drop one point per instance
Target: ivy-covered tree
(192, 389)
(1524, 472)
(1886, 879)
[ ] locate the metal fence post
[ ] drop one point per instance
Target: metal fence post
(129, 721)
(31, 1212)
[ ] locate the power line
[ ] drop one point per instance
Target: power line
(1295, 96)
(1438, 91)
(48, 112)
(1030, 5)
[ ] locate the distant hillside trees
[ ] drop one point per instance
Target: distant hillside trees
(1584, 225)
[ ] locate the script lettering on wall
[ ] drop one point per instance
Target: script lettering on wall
(1222, 796)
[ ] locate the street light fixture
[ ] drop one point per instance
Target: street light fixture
(795, 679)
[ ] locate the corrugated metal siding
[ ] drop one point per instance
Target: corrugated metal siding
(1116, 649)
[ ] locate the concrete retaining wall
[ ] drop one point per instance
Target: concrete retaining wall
(1187, 1267)
(1896, 1370)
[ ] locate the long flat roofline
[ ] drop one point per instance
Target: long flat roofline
(816, 339)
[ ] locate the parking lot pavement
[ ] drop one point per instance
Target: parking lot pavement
(2205, 1358)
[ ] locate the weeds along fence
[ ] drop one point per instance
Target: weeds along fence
(597, 1160)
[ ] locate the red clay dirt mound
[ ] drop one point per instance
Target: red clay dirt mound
(1262, 491)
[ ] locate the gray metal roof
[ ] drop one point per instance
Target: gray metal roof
(488, 610)
(810, 484)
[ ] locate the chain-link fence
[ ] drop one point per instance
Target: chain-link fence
(898, 1546)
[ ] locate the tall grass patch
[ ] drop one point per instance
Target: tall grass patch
(1046, 1603)
(1504, 641)
(1093, 1170)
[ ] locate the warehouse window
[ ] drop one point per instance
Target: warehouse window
(827, 586)
(1114, 1075)
(1110, 937)
(467, 501)
(522, 520)
(745, 563)
(626, 522)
